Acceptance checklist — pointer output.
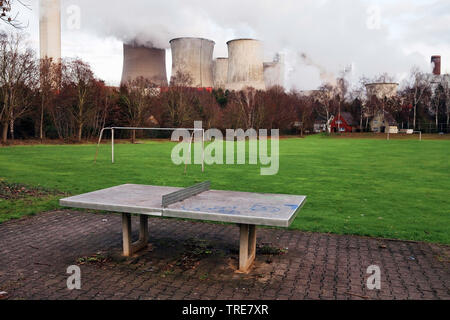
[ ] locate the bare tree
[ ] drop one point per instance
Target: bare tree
(137, 101)
(208, 109)
(103, 98)
(359, 93)
(17, 76)
(7, 14)
(417, 90)
(249, 107)
(324, 96)
(78, 76)
(304, 110)
(279, 108)
(440, 100)
(178, 101)
(383, 78)
(446, 94)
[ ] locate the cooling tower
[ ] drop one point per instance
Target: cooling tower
(245, 64)
(141, 61)
(220, 72)
(436, 63)
(274, 72)
(50, 29)
(193, 57)
(381, 90)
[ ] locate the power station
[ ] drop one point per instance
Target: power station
(141, 61)
(274, 72)
(382, 90)
(220, 73)
(245, 65)
(193, 57)
(50, 29)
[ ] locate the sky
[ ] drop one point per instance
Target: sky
(318, 38)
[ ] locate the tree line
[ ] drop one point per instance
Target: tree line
(45, 99)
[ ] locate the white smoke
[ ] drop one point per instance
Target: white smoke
(332, 34)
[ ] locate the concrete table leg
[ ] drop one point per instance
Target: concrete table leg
(247, 247)
(130, 248)
(143, 228)
(126, 234)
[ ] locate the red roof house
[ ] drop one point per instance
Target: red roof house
(343, 122)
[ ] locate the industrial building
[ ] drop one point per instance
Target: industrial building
(141, 61)
(245, 64)
(436, 65)
(274, 72)
(244, 67)
(220, 73)
(193, 57)
(436, 75)
(382, 89)
(50, 29)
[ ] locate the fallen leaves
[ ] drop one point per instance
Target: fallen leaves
(13, 191)
(97, 258)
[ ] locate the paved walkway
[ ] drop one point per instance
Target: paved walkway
(193, 260)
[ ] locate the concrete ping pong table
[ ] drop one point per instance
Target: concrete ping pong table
(197, 203)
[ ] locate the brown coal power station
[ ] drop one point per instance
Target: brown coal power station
(192, 60)
(141, 61)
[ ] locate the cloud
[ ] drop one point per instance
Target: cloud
(332, 33)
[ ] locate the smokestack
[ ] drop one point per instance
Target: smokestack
(50, 29)
(141, 61)
(193, 57)
(220, 72)
(274, 72)
(245, 64)
(436, 63)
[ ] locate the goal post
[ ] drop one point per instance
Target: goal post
(420, 134)
(188, 156)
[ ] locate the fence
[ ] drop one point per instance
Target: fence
(427, 127)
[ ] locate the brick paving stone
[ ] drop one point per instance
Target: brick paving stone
(36, 251)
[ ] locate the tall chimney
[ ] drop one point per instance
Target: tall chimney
(436, 62)
(50, 29)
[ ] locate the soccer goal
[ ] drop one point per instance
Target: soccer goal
(188, 156)
(388, 135)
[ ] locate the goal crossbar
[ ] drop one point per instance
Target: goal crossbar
(419, 132)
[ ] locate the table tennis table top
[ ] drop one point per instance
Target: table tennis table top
(278, 210)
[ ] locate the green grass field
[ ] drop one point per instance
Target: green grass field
(393, 189)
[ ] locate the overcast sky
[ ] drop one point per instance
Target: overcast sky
(371, 36)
